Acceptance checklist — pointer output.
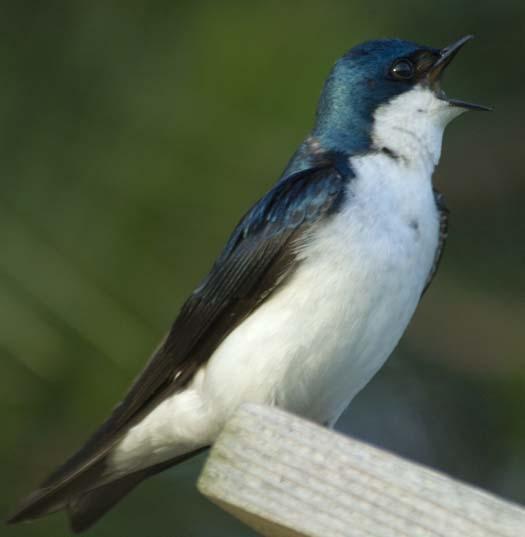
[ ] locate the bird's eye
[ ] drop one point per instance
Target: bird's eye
(402, 70)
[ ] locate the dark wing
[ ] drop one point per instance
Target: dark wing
(260, 253)
(443, 234)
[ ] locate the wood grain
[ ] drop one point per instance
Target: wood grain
(287, 477)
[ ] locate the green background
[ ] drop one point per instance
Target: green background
(135, 134)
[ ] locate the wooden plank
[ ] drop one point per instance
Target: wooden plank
(287, 477)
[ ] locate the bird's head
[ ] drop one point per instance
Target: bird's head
(384, 86)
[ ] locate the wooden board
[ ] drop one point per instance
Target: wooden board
(287, 477)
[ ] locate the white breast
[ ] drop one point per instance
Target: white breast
(318, 339)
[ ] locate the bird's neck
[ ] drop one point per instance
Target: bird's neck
(409, 128)
(343, 125)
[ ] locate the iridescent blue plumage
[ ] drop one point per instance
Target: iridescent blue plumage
(357, 84)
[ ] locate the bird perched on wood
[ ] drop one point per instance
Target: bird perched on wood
(311, 293)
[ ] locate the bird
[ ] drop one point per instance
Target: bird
(311, 293)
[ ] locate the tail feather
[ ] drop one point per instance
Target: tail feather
(84, 500)
(84, 510)
(87, 508)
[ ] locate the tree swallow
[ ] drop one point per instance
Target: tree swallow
(311, 293)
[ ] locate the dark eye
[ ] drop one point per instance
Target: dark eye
(402, 70)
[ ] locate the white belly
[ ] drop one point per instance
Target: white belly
(320, 338)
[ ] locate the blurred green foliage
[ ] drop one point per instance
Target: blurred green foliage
(134, 135)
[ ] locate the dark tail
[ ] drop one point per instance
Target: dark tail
(84, 510)
(85, 503)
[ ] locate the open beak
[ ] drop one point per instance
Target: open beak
(446, 55)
